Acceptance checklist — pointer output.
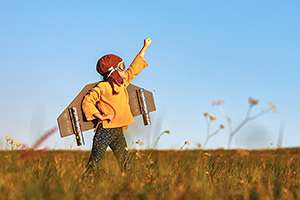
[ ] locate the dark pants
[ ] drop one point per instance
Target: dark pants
(114, 138)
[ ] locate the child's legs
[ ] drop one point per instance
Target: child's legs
(119, 147)
(102, 139)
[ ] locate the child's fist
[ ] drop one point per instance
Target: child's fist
(147, 42)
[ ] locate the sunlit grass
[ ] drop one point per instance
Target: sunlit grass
(198, 174)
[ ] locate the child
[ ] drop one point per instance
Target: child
(108, 103)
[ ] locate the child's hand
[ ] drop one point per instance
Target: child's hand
(147, 42)
(99, 116)
(103, 117)
(109, 117)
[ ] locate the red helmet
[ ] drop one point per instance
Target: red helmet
(106, 67)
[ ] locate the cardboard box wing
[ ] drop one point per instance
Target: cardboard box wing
(64, 119)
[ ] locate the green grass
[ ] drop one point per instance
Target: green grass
(199, 174)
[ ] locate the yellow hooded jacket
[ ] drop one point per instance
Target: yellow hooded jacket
(100, 98)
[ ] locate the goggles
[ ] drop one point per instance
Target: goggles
(120, 67)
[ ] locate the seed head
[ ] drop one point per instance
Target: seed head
(139, 142)
(151, 161)
(138, 154)
(17, 144)
(187, 142)
(207, 154)
(10, 141)
(205, 114)
(7, 138)
(218, 102)
(252, 101)
(212, 117)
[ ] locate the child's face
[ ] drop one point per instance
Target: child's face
(122, 74)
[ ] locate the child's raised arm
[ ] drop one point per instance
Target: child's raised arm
(147, 43)
(139, 63)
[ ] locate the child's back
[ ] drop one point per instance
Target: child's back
(108, 102)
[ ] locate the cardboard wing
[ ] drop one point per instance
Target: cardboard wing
(140, 100)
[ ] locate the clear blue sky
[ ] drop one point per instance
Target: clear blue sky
(201, 51)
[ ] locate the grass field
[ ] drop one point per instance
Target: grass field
(198, 174)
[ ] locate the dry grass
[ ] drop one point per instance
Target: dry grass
(219, 174)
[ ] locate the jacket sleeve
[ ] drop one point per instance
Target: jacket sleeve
(137, 65)
(89, 103)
